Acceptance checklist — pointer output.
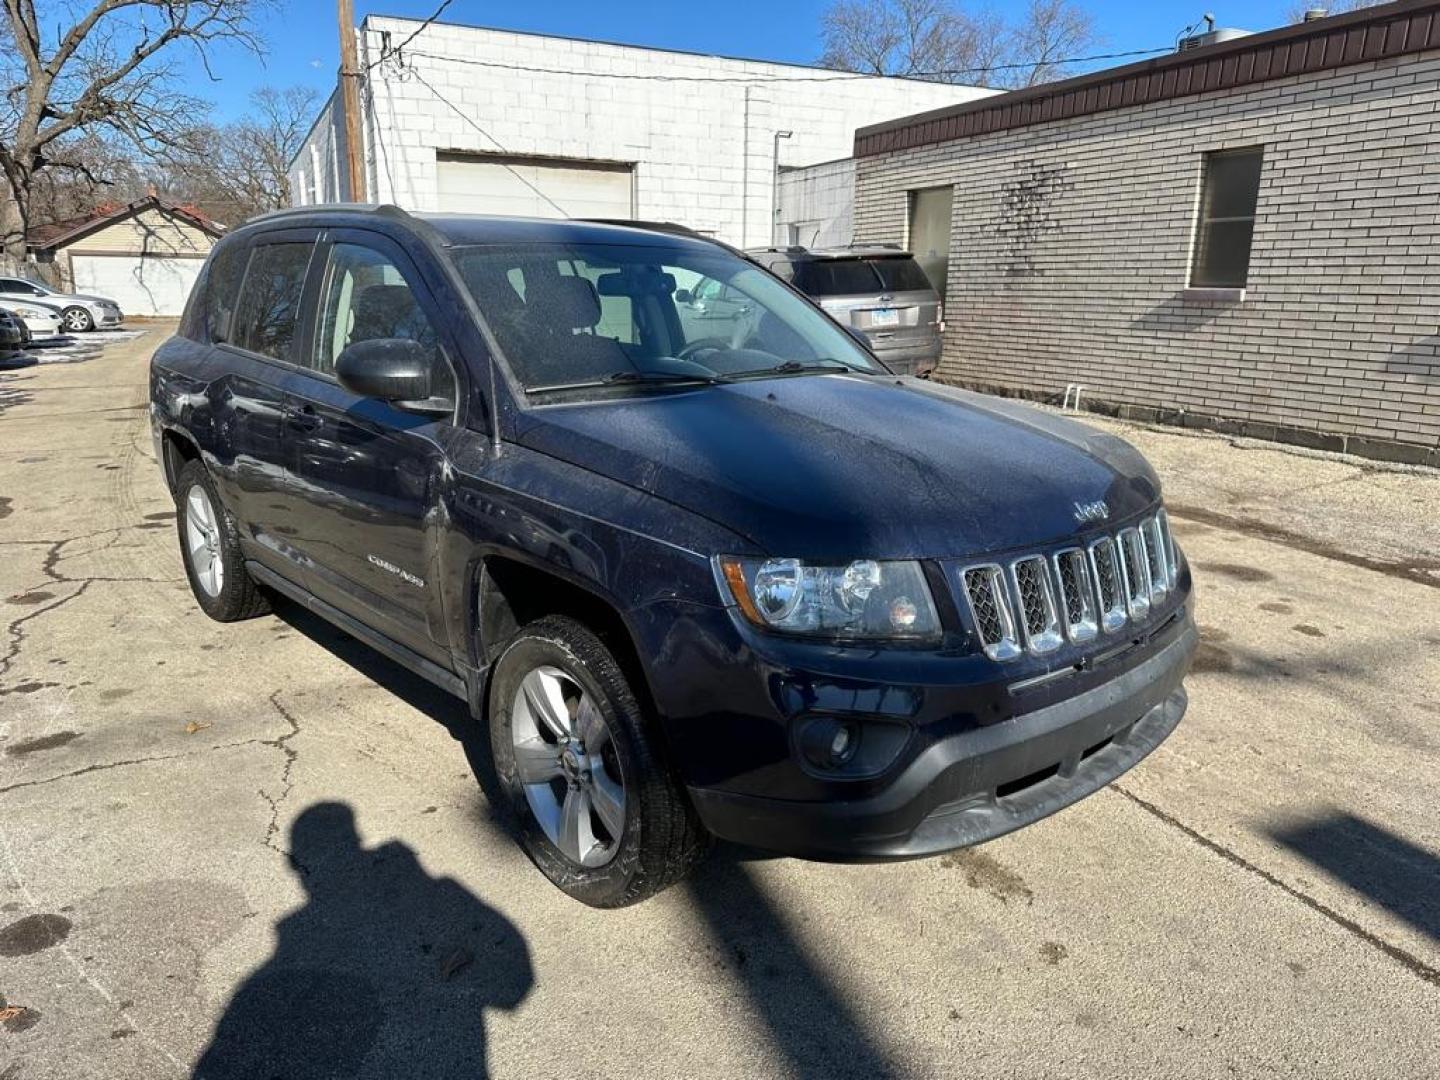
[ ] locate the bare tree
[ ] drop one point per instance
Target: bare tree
(1049, 32)
(83, 171)
(241, 169)
(1296, 12)
(903, 37)
(941, 41)
(107, 68)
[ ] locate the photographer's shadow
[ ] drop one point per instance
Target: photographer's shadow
(386, 971)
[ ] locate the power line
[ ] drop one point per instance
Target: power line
(416, 33)
(768, 79)
(470, 120)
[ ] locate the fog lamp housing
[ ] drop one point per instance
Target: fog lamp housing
(847, 747)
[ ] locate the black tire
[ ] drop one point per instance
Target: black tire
(80, 318)
(662, 838)
(238, 597)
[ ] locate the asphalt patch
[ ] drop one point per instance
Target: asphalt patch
(44, 742)
(38, 596)
(32, 934)
(1238, 571)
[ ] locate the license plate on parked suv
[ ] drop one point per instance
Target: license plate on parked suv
(885, 316)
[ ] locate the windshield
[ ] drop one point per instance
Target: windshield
(598, 318)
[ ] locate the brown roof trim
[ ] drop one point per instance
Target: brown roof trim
(1409, 26)
(38, 241)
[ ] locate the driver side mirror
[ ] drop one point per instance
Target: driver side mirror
(682, 296)
(396, 370)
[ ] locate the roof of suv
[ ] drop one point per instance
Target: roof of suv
(851, 251)
(463, 229)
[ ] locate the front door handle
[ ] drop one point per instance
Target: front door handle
(303, 417)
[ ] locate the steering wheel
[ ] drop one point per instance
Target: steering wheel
(701, 344)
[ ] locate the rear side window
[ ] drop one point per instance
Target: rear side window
(836, 277)
(902, 275)
(267, 320)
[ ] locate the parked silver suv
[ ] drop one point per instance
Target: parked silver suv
(878, 290)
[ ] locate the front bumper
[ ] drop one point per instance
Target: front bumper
(43, 329)
(983, 782)
(107, 318)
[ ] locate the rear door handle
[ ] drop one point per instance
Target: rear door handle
(303, 417)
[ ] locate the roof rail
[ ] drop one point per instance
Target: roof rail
(387, 209)
(651, 226)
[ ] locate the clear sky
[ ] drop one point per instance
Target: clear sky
(303, 42)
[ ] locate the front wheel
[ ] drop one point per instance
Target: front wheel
(77, 320)
(597, 809)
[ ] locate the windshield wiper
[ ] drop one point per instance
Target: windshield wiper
(800, 367)
(622, 378)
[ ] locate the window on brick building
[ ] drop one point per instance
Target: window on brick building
(1226, 225)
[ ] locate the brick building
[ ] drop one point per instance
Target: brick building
(1243, 236)
(475, 120)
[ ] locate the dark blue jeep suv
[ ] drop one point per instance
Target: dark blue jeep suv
(702, 573)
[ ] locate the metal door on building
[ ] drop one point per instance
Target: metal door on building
(534, 187)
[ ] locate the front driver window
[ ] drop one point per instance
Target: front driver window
(367, 297)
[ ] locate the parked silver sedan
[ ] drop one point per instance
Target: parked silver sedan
(42, 321)
(78, 311)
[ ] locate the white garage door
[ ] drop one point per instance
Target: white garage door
(140, 284)
(533, 187)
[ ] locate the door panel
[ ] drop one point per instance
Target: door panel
(368, 475)
(266, 286)
(248, 406)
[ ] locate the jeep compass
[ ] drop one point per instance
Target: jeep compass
(722, 577)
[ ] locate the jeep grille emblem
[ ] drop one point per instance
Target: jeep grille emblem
(1086, 512)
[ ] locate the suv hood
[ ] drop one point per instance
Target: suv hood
(839, 466)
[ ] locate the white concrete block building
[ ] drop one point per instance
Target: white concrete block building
(489, 121)
(816, 204)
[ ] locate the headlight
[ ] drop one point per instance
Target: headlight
(862, 600)
(28, 313)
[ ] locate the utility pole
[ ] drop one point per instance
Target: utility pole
(350, 101)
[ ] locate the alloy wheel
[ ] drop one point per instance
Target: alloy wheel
(566, 760)
(76, 320)
(202, 541)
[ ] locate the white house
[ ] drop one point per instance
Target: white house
(475, 120)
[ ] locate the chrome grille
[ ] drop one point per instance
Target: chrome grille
(1155, 562)
(1162, 521)
(1133, 573)
(1038, 614)
(1076, 594)
(990, 607)
(1106, 565)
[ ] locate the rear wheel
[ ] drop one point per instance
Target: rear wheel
(595, 806)
(77, 320)
(210, 547)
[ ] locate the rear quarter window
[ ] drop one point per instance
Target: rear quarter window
(902, 275)
(212, 302)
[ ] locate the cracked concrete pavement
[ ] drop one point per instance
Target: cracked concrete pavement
(260, 849)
